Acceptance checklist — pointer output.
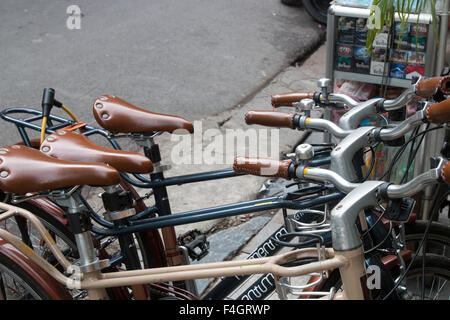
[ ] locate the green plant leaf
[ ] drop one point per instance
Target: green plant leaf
(405, 8)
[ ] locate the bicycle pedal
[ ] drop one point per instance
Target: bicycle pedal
(196, 244)
(399, 210)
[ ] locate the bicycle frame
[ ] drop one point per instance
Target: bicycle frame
(141, 225)
(350, 264)
(160, 183)
(227, 210)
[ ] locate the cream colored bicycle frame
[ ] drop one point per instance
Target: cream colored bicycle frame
(350, 264)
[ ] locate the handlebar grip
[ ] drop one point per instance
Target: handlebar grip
(263, 167)
(446, 173)
(270, 118)
(425, 88)
(48, 100)
(439, 112)
(287, 99)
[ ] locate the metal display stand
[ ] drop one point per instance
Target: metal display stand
(434, 63)
(336, 11)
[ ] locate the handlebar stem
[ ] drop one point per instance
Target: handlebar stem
(352, 119)
(342, 155)
(344, 232)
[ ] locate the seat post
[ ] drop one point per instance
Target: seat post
(80, 225)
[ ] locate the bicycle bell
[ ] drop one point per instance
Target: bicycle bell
(304, 152)
(324, 84)
(306, 105)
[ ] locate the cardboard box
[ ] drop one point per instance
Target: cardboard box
(397, 70)
(381, 41)
(418, 30)
(361, 59)
(344, 64)
(346, 29)
(379, 54)
(402, 42)
(416, 57)
(414, 71)
(378, 68)
(344, 50)
(398, 56)
(418, 44)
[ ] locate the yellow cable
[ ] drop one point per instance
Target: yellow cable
(43, 126)
(69, 113)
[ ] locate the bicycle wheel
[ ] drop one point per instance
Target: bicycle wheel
(438, 238)
(437, 274)
(59, 232)
(318, 9)
(17, 284)
(437, 241)
(291, 2)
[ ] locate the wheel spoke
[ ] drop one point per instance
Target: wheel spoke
(439, 289)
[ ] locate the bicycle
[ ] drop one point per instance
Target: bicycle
(347, 253)
(222, 211)
(360, 199)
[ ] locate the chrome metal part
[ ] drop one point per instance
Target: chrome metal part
(322, 124)
(304, 151)
(344, 232)
(342, 155)
(402, 128)
(325, 175)
(401, 100)
(352, 118)
(417, 184)
(88, 259)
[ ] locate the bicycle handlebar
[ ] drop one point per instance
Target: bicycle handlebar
(439, 112)
(425, 88)
(288, 170)
(264, 167)
(292, 120)
(271, 118)
(287, 99)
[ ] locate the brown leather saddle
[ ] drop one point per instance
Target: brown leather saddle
(68, 145)
(24, 170)
(119, 116)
